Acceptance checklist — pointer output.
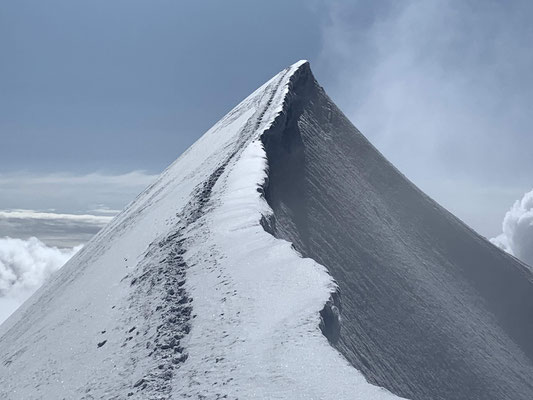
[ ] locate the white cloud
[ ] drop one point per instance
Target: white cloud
(24, 267)
(517, 235)
(105, 211)
(98, 220)
(133, 178)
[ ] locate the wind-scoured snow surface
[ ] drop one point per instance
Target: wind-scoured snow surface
(185, 294)
(429, 309)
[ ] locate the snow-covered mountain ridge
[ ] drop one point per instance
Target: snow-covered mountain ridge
(280, 257)
(184, 294)
(430, 309)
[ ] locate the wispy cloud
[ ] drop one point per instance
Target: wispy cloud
(68, 193)
(104, 211)
(130, 179)
(24, 266)
(97, 220)
(64, 209)
(517, 226)
(55, 229)
(442, 88)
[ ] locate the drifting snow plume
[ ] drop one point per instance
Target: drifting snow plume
(24, 266)
(517, 236)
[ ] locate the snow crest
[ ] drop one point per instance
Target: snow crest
(184, 294)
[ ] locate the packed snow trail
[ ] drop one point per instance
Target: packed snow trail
(184, 294)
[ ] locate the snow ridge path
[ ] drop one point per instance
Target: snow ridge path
(184, 294)
(172, 321)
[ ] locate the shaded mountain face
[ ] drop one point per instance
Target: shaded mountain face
(429, 309)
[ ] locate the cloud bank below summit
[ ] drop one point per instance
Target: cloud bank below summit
(24, 266)
(45, 218)
(517, 226)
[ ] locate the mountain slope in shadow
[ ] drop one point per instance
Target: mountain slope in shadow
(429, 309)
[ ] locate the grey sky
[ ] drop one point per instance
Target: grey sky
(442, 88)
(127, 84)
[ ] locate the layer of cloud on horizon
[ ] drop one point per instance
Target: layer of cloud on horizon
(64, 209)
(51, 215)
(71, 193)
(517, 226)
(98, 220)
(24, 266)
(53, 229)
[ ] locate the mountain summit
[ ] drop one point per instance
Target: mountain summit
(280, 257)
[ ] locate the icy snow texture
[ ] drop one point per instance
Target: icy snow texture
(116, 321)
(517, 235)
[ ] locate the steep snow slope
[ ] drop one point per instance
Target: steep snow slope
(184, 294)
(430, 310)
